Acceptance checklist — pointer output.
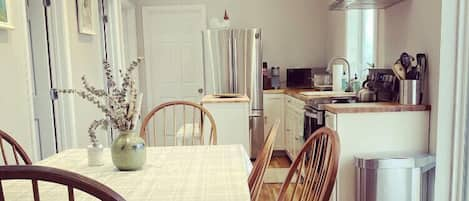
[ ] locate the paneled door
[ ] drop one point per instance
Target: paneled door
(173, 53)
(43, 79)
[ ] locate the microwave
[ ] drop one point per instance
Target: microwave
(299, 78)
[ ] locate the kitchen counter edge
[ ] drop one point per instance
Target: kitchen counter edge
(374, 107)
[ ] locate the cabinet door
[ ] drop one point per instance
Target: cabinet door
(294, 118)
(274, 109)
(331, 120)
(289, 130)
(299, 130)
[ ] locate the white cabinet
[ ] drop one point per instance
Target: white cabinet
(371, 133)
(290, 112)
(274, 108)
(289, 130)
(232, 128)
(294, 124)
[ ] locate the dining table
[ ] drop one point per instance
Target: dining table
(174, 173)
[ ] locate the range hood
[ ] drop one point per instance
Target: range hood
(362, 4)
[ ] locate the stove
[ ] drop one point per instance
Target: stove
(315, 112)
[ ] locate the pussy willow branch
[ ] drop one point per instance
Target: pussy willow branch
(92, 130)
(119, 104)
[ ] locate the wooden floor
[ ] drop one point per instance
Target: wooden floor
(270, 192)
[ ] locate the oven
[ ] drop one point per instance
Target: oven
(314, 119)
(315, 114)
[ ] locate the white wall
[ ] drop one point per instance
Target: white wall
(15, 86)
(15, 78)
(294, 31)
(336, 34)
(414, 26)
(15, 74)
(86, 59)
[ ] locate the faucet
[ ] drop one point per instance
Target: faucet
(329, 69)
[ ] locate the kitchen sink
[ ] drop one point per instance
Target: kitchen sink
(328, 93)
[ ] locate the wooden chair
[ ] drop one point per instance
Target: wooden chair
(314, 169)
(256, 178)
(57, 176)
(16, 150)
(186, 128)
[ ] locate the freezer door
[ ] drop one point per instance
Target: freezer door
(247, 62)
(257, 135)
(218, 61)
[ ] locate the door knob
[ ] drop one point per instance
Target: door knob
(200, 90)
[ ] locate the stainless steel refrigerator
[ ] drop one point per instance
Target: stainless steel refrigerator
(233, 65)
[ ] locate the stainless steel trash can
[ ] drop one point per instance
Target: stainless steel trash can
(392, 176)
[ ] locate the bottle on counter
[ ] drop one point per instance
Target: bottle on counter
(266, 77)
(356, 85)
(275, 71)
(344, 81)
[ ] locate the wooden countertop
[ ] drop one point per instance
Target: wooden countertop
(374, 107)
(214, 99)
(296, 93)
(351, 107)
(274, 91)
(286, 91)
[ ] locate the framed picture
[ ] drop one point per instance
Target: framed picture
(5, 15)
(86, 16)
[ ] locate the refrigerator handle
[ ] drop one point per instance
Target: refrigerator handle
(230, 62)
(235, 65)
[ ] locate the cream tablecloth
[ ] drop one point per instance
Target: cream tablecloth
(183, 173)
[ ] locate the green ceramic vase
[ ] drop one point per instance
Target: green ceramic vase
(128, 151)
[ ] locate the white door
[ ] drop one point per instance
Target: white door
(42, 79)
(173, 53)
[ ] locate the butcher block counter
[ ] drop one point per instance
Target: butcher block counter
(374, 107)
(307, 94)
(296, 93)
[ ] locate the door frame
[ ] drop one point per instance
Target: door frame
(60, 54)
(131, 21)
(37, 139)
(145, 11)
(451, 110)
(113, 39)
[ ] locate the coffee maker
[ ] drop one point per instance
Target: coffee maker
(384, 82)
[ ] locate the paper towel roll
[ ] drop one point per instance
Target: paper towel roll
(337, 73)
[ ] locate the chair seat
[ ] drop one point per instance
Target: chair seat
(178, 123)
(187, 132)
